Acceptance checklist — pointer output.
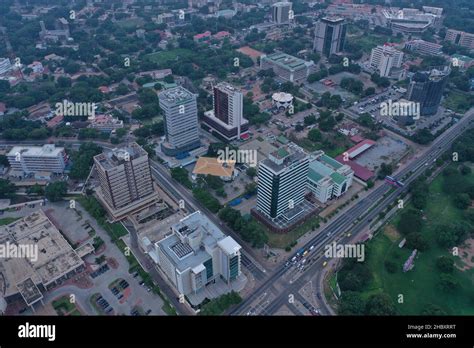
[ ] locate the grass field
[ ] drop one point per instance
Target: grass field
(419, 286)
(162, 57)
(282, 240)
(7, 220)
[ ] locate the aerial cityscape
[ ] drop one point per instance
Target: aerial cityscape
(236, 158)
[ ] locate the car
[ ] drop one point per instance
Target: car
(148, 312)
(120, 296)
(325, 263)
(141, 283)
(318, 295)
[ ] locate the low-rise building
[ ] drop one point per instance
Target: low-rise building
(105, 123)
(423, 47)
(460, 38)
(328, 178)
(287, 67)
(47, 260)
(31, 159)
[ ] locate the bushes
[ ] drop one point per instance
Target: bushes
(219, 305)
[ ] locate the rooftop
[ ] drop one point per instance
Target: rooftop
(211, 166)
(205, 236)
(55, 256)
(48, 150)
(117, 156)
(286, 61)
(175, 95)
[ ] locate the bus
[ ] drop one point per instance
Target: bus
(393, 181)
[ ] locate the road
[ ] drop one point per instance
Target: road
(354, 220)
(164, 179)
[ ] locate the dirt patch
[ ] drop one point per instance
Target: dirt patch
(466, 254)
(392, 233)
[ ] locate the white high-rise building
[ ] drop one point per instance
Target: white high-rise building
(281, 12)
(384, 58)
(282, 182)
(227, 116)
(181, 120)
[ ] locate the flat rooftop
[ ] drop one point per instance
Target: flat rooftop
(55, 256)
(175, 95)
(286, 61)
(182, 255)
(290, 155)
(48, 150)
(116, 157)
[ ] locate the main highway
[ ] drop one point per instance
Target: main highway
(354, 220)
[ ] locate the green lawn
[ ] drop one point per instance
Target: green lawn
(282, 240)
(419, 286)
(7, 220)
(162, 57)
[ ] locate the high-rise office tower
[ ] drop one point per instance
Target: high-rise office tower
(125, 180)
(427, 88)
(227, 116)
(330, 34)
(384, 58)
(282, 181)
(181, 121)
(281, 12)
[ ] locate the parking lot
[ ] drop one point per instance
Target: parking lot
(387, 150)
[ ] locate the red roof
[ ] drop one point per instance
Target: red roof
(221, 34)
(357, 139)
(202, 35)
(244, 136)
(359, 171)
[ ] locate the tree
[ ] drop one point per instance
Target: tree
(462, 201)
(465, 170)
(410, 221)
(445, 264)
(453, 234)
(251, 172)
(432, 309)
(7, 189)
(309, 120)
(380, 304)
(447, 282)
(385, 169)
(181, 175)
(415, 240)
(351, 303)
(83, 159)
(35, 190)
(4, 161)
(55, 191)
(251, 188)
(315, 135)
